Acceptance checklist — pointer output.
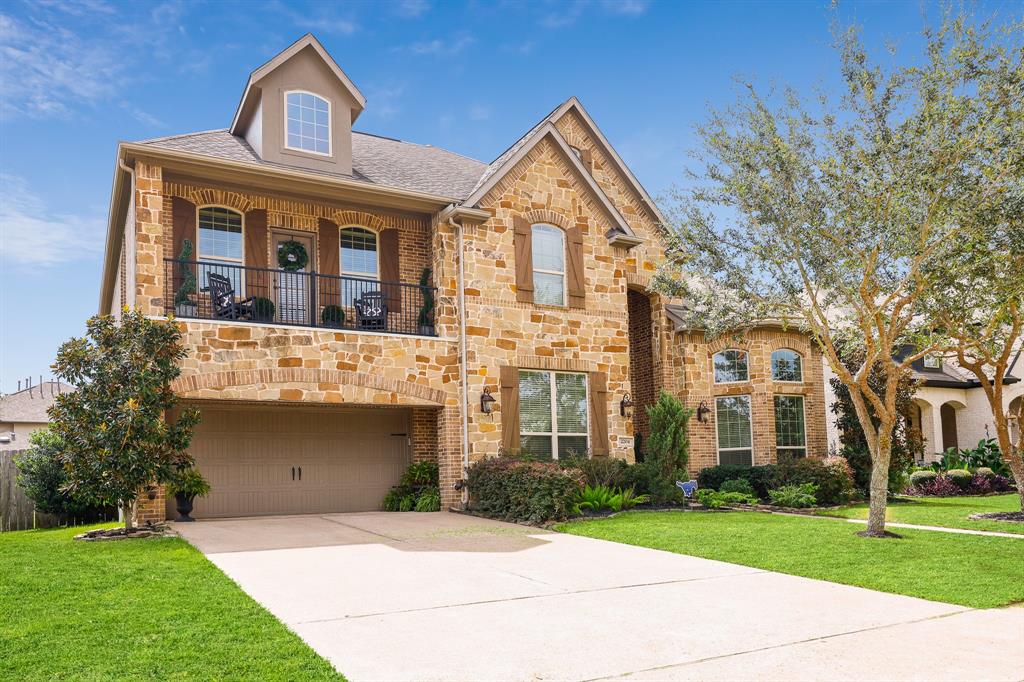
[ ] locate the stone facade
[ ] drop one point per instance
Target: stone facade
(621, 330)
(692, 359)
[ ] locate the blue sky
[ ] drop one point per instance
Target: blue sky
(471, 76)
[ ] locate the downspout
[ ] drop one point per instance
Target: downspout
(463, 374)
(129, 267)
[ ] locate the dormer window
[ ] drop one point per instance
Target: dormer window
(308, 123)
(932, 362)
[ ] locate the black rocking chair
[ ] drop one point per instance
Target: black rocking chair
(371, 311)
(222, 299)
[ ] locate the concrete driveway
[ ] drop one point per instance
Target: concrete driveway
(449, 597)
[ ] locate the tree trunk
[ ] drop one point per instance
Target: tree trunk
(1015, 459)
(879, 489)
(128, 510)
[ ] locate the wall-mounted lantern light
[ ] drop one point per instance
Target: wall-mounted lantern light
(486, 400)
(703, 411)
(626, 406)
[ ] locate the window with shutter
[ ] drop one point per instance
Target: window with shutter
(548, 244)
(553, 414)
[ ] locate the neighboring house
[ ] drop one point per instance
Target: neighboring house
(23, 412)
(321, 364)
(950, 407)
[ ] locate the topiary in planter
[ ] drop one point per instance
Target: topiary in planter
(921, 477)
(262, 309)
(332, 316)
(961, 477)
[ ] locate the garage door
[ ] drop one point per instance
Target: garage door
(298, 461)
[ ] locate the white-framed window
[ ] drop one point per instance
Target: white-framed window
(787, 365)
(548, 244)
(360, 257)
(790, 434)
(730, 366)
(553, 414)
(220, 247)
(307, 122)
(735, 434)
(932, 362)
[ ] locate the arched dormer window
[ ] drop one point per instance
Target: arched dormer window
(730, 366)
(787, 365)
(548, 246)
(220, 246)
(307, 122)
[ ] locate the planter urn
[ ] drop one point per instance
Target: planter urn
(183, 503)
(186, 310)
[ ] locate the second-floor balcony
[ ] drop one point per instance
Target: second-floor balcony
(224, 292)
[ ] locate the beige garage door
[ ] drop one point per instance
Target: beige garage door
(298, 461)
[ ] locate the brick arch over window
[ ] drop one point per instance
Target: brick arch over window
(219, 197)
(294, 383)
(358, 219)
(546, 215)
(728, 343)
(794, 343)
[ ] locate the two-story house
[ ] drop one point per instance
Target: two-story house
(351, 303)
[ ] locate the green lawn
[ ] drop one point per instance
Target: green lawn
(154, 609)
(948, 512)
(959, 569)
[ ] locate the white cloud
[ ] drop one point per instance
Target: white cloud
(31, 236)
(630, 7)
(565, 14)
(479, 112)
(441, 48)
(411, 9)
(383, 100)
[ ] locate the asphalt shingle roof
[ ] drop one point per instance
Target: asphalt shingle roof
(29, 405)
(375, 160)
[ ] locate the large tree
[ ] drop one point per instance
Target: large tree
(833, 214)
(113, 433)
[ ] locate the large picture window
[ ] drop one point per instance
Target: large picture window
(548, 265)
(730, 366)
(309, 123)
(790, 437)
(786, 365)
(220, 245)
(732, 419)
(553, 414)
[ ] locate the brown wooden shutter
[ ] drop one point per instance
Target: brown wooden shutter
(330, 254)
(390, 270)
(598, 390)
(509, 408)
(257, 282)
(523, 243)
(183, 219)
(575, 281)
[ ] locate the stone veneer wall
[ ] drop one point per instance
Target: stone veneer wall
(692, 354)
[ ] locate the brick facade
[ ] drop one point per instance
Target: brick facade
(641, 364)
(692, 359)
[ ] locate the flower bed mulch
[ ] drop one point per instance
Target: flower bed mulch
(120, 533)
(1009, 517)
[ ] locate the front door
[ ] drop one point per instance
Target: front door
(293, 290)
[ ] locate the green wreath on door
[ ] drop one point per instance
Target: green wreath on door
(292, 255)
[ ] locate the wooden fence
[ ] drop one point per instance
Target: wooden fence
(17, 511)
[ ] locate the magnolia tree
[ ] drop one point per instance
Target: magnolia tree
(113, 434)
(835, 214)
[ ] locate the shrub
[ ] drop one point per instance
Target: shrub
(41, 475)
(833, 484)
(421, 473)
(332, 315)
(761, 478)
(429, 501)
(667, 449)
(593, 498)
(960, 477)
(985, 472)
(860, 462)
(716, 499)
(627, 499)
(921, 477)
(399, 496)
(737, 485)
(606, 471)
(940, 486)
(512, 489)
(794, 496)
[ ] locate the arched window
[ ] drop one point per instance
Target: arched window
(787, 365)
(730, 366)
(220, 245)
(308, 119)
(548, 265)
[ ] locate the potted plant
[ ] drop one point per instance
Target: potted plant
(333, 316)
(262, 309)
(184, 306)
(426, 316)
(186, 485)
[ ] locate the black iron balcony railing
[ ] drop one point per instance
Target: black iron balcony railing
(208, 290)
